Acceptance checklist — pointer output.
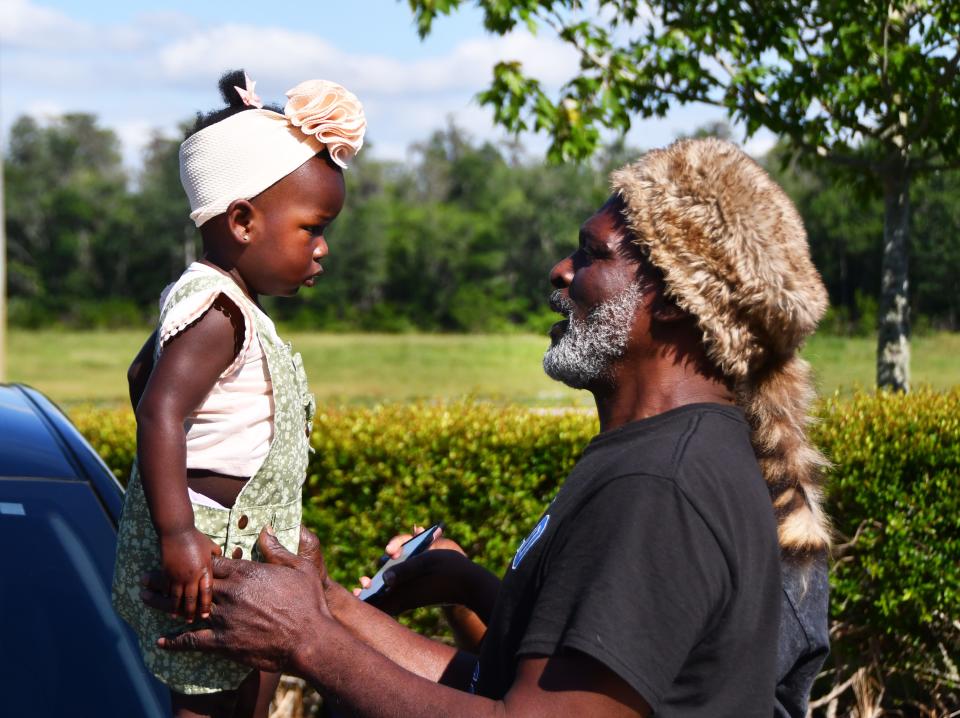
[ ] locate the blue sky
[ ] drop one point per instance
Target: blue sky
(147, 66)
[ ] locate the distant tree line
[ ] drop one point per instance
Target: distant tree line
(458, 238)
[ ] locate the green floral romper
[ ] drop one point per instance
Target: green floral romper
(272, 495)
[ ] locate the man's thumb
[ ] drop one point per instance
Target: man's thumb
(272, 550)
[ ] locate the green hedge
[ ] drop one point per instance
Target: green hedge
(894, 496)
(488, 471)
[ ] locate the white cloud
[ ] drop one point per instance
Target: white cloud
(158, 69)
(25, 25)
(44, 109)
(279, 56)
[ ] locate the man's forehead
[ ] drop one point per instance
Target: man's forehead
(608, 223)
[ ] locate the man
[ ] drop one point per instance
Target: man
(651, 584)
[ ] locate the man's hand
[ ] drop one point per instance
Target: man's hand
(309, 549)
(187, 559)
(260, 610)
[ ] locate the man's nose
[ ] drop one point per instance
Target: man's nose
(562, 273)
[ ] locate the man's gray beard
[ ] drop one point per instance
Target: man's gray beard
(587, 349)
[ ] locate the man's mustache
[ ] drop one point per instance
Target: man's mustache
(561, 304)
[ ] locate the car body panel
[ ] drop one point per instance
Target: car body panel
(63, 649)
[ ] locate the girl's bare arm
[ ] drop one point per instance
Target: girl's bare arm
(184, 374)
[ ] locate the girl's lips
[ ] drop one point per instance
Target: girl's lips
(310, 281)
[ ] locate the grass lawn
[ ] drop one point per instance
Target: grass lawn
(76, 367)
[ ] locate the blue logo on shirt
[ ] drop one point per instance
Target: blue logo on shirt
(530, 540)
(475, 679)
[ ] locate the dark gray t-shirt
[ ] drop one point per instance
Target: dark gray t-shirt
(659, 559)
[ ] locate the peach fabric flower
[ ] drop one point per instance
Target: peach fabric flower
(247, 94)
(330, 112)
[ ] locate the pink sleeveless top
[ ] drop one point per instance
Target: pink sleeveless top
(230, 432)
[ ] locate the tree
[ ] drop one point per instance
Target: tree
(66, 195)
(164, 240)
(936, 256)
(866, 86)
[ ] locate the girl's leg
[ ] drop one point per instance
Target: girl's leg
(255, 693)
(204, 705)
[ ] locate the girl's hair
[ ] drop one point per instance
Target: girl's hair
(229, 81)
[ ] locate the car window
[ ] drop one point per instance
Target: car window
(63, 650)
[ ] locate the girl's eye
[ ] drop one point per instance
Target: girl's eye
(315, 229)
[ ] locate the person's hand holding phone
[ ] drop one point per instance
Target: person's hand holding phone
(441, 575)
(408, 549)
(395, 545)
(394, 549)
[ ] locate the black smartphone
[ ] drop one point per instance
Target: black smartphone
(416, 545)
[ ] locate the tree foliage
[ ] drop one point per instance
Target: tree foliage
(83, 248)
(825, 75)
(868, 86)
(459, 238)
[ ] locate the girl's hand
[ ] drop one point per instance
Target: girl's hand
(187, 563)
(262, 611)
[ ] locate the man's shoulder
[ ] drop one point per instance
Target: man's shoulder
(718, 438)
(701, 452)
(667, 445)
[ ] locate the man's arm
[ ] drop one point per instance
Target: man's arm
(570, 684)
(366, 661)
(422, 656)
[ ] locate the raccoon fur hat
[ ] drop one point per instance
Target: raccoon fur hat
(733, 253)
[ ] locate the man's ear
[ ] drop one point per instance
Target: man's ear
(664, 310)
(240, 215)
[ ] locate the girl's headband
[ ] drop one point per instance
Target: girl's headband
(241, 156)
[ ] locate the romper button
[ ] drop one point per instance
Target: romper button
(238, 552)
(242, 523)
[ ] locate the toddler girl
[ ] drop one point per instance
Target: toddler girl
(224, 420)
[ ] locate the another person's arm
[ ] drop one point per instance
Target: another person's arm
(441, 576)
(139, 371)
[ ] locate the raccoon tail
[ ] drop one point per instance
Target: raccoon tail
(777, 404)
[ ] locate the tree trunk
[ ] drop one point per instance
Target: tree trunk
(893, 344)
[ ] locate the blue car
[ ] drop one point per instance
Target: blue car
(63, 650)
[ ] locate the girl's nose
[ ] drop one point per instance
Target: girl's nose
(562, 273)
(321, 250)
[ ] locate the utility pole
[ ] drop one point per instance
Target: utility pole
(3, 280)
